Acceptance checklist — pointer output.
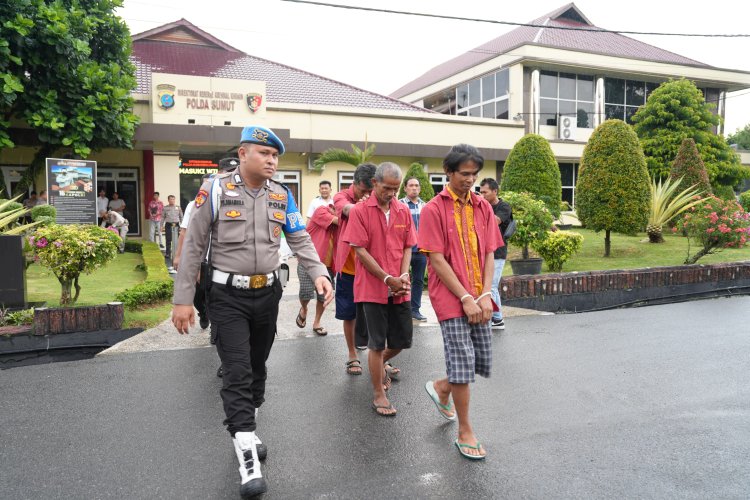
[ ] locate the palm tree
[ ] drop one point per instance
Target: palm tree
(665, 205)
(354, 157)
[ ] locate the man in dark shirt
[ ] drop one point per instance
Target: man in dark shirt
(503, 216)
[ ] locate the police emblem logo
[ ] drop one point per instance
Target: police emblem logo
(230, 185)
(233, 214)
(201, 198)
(165, 94)
(254, 101)
(277, 196)
(279, 215)
(276, 232)
(260, 135)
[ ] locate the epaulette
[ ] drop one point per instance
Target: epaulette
(279, 183)
(223, 175)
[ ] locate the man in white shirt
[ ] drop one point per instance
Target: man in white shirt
(325, 198)
(102, 204)
(120, 223)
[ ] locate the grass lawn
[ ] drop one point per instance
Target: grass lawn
(99, 287)
(631, 252)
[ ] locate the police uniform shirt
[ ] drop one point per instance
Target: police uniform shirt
(116, 220)
(246, 229)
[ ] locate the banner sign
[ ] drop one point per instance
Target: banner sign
(71, 189)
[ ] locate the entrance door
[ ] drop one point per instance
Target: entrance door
(123, 181)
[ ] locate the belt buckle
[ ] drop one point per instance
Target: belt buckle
(258, 281)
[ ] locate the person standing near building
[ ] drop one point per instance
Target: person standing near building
(325, 198)
(418, 259)
(155, 212)
(503, 215)
(459, 233)
(240, 216)
(42, 198)
(323, 229)
(345, 269)
(382, 234)
(171, 220)
(120, 223)
(102, 204)
(117, 204)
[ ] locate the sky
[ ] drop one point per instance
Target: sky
(381, 52)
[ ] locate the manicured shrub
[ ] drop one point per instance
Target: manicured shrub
(745, 201)
(558, 247)
(689, 167)
(725, 193)
(44, 214)
(417, 170)
(531, 167)
(715, 224)
(71, 250)
(612, 193)
(158, 285)
(533, 220)
(134, 246)
(156, 269)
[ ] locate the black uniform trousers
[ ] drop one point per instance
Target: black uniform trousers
(168, 233)
(244, 322)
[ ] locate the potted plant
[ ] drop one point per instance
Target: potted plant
(533, 220)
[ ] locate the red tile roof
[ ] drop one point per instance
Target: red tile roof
(611, 44)
(197, 53)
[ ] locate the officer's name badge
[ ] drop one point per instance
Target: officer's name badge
(279, 215)
(201, 198)
(232, 193)
(277, 196)
(233, 214)
(276, 232)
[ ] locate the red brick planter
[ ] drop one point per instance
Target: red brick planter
(78, 319)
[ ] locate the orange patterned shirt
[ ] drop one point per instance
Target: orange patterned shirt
(463, 214)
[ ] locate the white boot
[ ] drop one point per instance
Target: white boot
(253, 483)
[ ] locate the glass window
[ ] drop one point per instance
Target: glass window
(502, 109)
(567, 108)
(475, 96)
(567, 86)
(629, 112)
(567, 195)
(462, 94)
(585, 114)
(462, 113)
(566, 174)
(443, 102)
(488, 110)
(548, 109)
(635, 93)
(585, 88)
(614, 111)
(650, 87)
(614, 90)
(475, 111)
(548, 84)
(501, 83)
(488, 87)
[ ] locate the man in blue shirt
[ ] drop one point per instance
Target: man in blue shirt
(418, 260)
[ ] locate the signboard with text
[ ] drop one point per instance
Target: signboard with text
(71, 190)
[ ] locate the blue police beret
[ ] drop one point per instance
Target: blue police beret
(263, 136)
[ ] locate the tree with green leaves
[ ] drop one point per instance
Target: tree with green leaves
(675, 111)
(417, 170)
(531, 167)
(741, 137)
(613, 193)
(65, 73)
(354, 157)
(688, 166)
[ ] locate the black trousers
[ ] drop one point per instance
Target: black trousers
(168, 233)
(244, 322)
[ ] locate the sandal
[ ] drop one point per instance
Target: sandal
(301, 322)
(392, 371)
(430, 388)
(320, 331)
(387, 383)
(389, 407)
(468, 455)
(353, 365)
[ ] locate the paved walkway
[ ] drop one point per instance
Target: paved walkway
(164, 336)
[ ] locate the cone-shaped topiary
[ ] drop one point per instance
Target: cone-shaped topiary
(417, 170)
(531, 167)
(689, 166)
(613, 193)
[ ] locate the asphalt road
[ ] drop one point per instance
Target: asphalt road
(639, 403)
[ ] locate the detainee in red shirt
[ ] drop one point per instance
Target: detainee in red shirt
(381, 232)
(459, 233)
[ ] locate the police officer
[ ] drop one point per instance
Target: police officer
(243, 214)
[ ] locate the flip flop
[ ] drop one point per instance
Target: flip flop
(375, 408)
(352, 364)
(387, 383)
(301, 322)
(467, 455)
(430, 388)
(392, 371)
(320, 331)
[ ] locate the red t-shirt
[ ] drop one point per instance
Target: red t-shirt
(385, 241)
(438, 233)
(323, 234)
(340, 200)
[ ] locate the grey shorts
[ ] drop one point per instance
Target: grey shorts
(468, 349)
(306, 285)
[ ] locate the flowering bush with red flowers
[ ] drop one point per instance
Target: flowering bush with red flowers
(714, 224)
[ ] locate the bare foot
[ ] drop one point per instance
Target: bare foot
(443, 391)
(383, 407)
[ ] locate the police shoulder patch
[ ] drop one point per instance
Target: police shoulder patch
(201, 198)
